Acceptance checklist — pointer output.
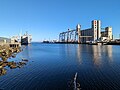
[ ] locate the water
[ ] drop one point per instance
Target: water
(53, 66)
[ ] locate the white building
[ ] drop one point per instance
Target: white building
(107, 34)
(95, 33)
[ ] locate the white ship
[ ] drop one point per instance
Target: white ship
(26, 39)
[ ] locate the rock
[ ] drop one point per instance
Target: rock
(2, 71)
(13, 55)
(21, 63)
(1, 62)
(11, 63)
(8, 52)
(13, 66)
(4, 64)
(1, 67)
(23, 59)
(4, 58)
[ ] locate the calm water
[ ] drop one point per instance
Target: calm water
(53, 66)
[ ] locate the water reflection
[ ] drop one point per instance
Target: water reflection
(79, 49)
(100, 53)
(96, 50)
(55, 63)
(27, 51)
(109, 51)
(66, 50)
(96, 53)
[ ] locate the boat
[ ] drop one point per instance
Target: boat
(46, 41)
(93, 43)
(26, 39)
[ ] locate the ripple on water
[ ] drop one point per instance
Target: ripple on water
(54, 65)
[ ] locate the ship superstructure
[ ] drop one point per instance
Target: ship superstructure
(26, 39)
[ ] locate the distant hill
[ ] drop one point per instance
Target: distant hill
(3, 38)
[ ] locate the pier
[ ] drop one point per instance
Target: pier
(12, 44)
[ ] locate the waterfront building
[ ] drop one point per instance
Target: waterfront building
(93, 34)
(107, 34)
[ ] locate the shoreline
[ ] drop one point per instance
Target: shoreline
(102, 43)
(10, 52)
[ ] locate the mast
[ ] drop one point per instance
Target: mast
(20, 35)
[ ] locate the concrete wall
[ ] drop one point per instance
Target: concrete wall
(86, 32)
(98, 29)
(108, 31)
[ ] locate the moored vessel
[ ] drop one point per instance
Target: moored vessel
(26, 39)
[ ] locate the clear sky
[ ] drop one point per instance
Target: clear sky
(45, 19)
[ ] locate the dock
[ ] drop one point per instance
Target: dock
(14, 45)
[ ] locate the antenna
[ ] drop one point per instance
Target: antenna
(26, 32)
(20, 35)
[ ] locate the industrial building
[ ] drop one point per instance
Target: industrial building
(93, 34)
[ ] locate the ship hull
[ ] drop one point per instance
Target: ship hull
(26, 39)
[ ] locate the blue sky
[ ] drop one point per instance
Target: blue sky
(45, 19)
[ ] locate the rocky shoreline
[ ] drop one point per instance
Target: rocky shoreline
(10, 52)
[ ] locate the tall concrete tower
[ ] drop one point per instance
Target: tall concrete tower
(79, 34)
(96, 28)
